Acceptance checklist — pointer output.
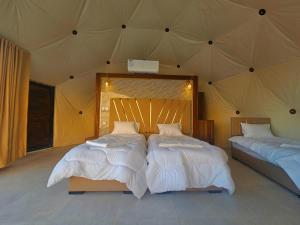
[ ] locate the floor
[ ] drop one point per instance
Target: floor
(25, 200)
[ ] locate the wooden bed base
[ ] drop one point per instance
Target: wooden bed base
(265, 168)
(79, 185)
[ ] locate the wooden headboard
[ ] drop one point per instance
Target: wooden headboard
(236, 123)
(149, 112)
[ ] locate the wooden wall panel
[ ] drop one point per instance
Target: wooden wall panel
(150, 112)
(194, 79)
(206, 131)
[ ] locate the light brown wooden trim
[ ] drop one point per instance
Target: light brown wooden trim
(97, 110)
(78, 184)
(146, 76)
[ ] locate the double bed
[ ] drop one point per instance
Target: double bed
(276, 158)
(184, 164)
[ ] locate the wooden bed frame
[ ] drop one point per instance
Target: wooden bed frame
(80, 185)
(265, 168)
(152, 111)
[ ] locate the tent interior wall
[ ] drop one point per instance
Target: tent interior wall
(252, 94)
(149, 112)
(249, 50)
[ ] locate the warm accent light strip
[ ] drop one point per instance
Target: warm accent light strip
(168, 111)
(131, 110)
(123, 109)
(150, 115)
(116, 110)
(138, 106)
(176, 113)
(159, 115)
(182, 112)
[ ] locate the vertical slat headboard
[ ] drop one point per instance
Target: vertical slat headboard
(236, 123)
(150, 112)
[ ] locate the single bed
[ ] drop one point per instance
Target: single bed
(77, 165)
(93, 168)
(180, 163)
(266, 155)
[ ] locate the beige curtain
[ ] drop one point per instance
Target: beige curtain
(14, 84)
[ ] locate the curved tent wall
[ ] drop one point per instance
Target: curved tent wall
(249, 50)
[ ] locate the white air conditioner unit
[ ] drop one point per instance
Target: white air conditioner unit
(143, 66)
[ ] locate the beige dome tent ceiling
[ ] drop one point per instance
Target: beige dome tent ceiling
(250, 50)
(77, 36)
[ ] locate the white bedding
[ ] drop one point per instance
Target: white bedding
(269, 149)
(182, 167)
(125, 163)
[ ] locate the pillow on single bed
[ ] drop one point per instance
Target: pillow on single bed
(125, 127)
(172, 129)
(256, 130)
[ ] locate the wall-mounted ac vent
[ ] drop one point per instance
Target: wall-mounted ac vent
(143, 66)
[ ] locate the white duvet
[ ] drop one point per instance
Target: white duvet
(125, 162)
(183, 166)
(279, 151)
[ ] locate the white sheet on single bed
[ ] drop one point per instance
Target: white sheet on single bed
(179, 168)
(126, 163)
(247, 151)
(269, 149)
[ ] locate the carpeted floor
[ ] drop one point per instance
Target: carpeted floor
(25, 200)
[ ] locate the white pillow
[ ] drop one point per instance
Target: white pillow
(125, 127)
(256, 130)
(172, 129)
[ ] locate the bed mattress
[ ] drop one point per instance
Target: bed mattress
(125, 163)
(271, 150)
(178, 168)
(247, 150)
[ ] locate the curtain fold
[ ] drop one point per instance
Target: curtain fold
(14, 86)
